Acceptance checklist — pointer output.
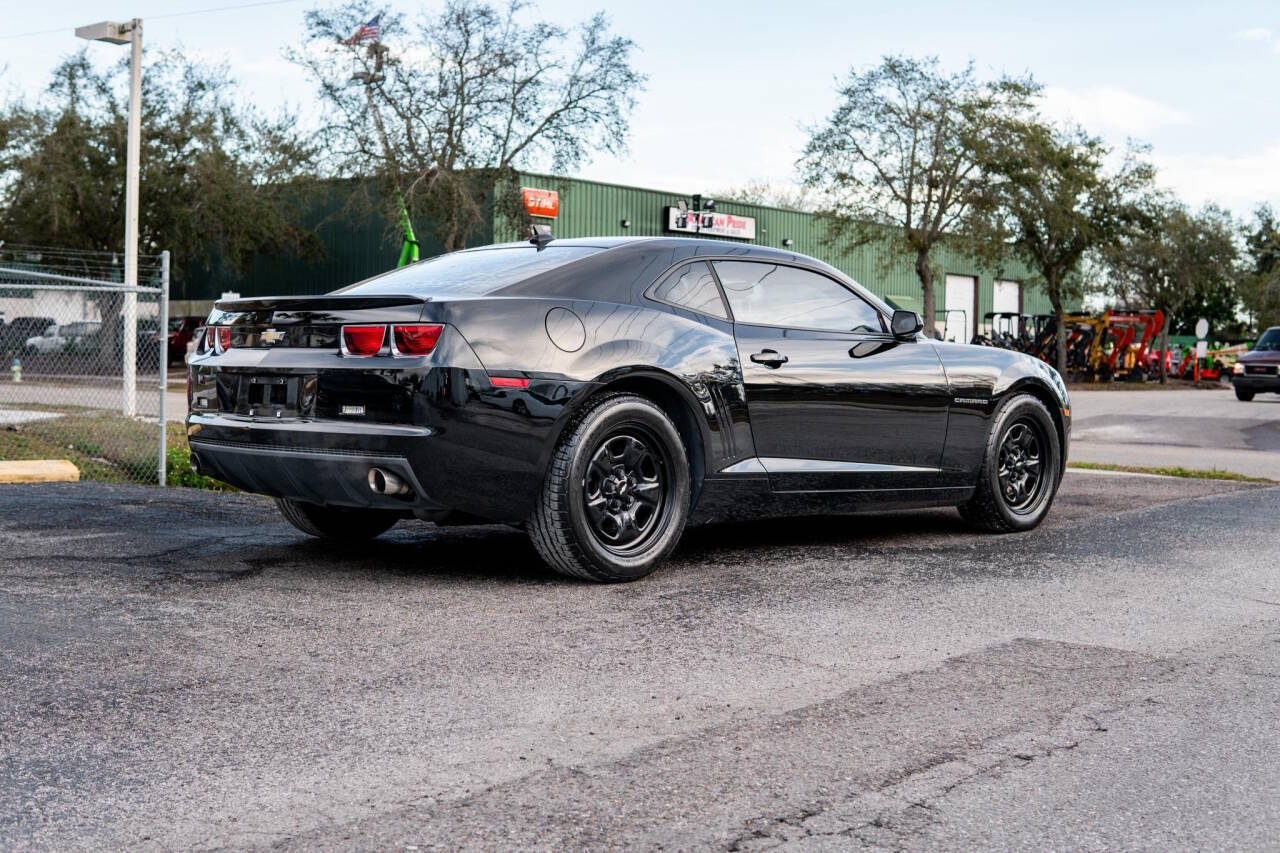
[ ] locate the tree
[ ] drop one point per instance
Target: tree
(1260, 284)
(452, 107)
(212, 178)
(903, 157)
(1217, 300)
(766, 193)
(1058, 204)
(1164, 256)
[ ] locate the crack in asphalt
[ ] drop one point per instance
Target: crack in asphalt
(888, 815)
(881, 801)
(894, 814)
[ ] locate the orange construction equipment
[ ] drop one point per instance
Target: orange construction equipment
(1128, 356)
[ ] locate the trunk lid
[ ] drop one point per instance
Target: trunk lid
(308, 321)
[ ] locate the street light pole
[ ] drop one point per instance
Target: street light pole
(115, 33)
(131, 222)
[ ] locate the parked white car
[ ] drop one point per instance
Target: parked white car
(58, 338)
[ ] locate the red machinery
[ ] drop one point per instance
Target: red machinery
(1131, 336)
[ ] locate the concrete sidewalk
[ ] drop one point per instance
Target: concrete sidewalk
(104, 394)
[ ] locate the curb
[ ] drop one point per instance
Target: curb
(39, 471)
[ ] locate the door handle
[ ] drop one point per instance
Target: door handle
(769, 358)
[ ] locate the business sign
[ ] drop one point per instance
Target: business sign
(544, 203)
(713, 223)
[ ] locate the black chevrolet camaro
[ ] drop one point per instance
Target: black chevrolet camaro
(603, 393)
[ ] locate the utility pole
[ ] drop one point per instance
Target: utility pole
(130, 33)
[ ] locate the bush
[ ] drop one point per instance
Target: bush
(180, 472)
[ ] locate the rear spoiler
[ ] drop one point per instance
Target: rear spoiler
(317, 303)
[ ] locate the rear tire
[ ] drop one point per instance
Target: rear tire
(1243, 395)
(1020, 470)
(616, 495)
(336, 523)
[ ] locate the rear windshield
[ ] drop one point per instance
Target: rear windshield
(471, 273)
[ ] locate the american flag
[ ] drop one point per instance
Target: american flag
(368, 32)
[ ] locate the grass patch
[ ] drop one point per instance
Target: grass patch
(1172, 471)
(105, 447)
(51, 407)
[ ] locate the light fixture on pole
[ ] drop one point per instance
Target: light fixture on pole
(128, 33)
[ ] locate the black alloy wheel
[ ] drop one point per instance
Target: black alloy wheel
(625, 490)
(616, 494)
(1019, 469)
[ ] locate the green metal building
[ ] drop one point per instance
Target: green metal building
(361, 246)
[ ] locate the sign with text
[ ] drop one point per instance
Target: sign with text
(545, 203)
(713, 223)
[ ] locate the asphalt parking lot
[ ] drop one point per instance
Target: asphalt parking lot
(181, 669)
(1189, 427)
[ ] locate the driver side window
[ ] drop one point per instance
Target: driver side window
(777, 295)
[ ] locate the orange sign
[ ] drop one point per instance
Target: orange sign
(541, 202)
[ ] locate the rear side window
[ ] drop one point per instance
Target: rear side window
(778, 295)
(693, 287)
(471, 273)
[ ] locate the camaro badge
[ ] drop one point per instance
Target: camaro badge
(271, 336)
(970, 401)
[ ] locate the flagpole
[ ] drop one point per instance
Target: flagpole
(369, 79)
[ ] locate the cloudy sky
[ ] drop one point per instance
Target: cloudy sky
(732, 84)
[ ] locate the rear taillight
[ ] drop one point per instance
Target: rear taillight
(508, 382)
(208, 339)
(363, 340)
(223, 339)
(414, 340)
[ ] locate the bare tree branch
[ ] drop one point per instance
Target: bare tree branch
(476, 92)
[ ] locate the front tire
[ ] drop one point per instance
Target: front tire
(1020, 470)
(616, 495)
(1243, 395)
(336, 523)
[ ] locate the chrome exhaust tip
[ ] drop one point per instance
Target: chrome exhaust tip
(383, 482)
(195, 463)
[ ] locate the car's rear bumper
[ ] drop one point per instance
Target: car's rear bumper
(311, 461)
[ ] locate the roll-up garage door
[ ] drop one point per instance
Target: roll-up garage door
(1007, 297)
(959, 302)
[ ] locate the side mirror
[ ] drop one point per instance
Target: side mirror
(905, 324)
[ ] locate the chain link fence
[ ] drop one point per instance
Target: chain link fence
(84, 362)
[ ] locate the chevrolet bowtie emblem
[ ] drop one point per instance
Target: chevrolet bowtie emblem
(271, 336)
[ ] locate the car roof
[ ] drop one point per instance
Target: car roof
(680, 248)
(639, 259)
(692, 245)
(620, 269)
